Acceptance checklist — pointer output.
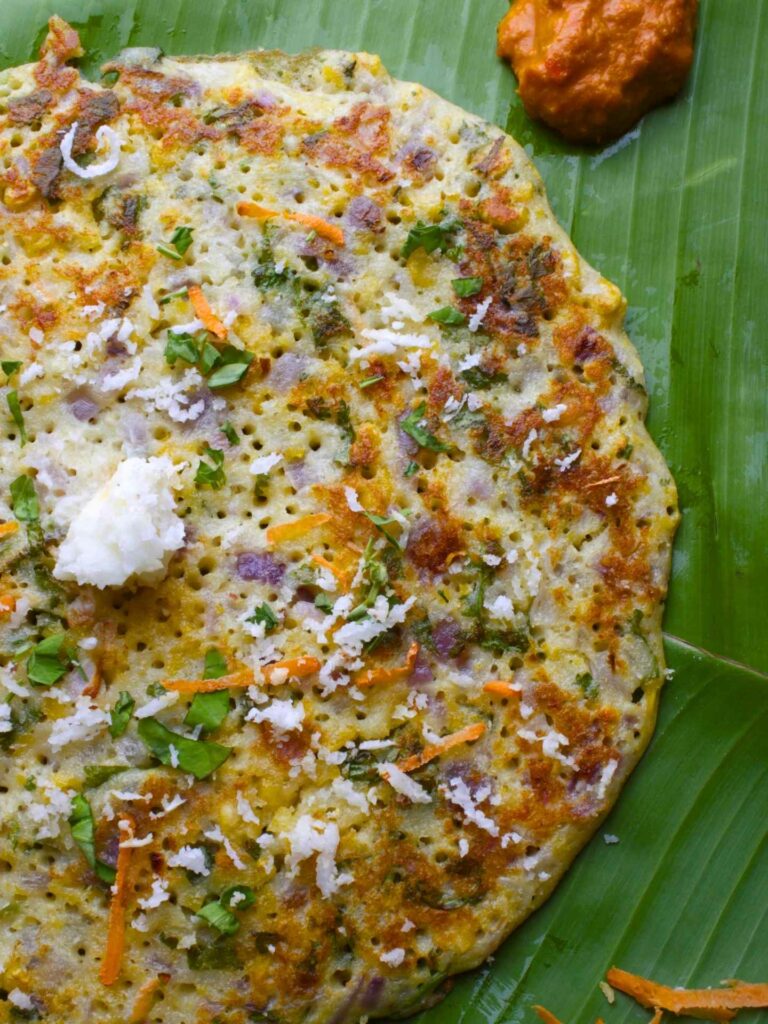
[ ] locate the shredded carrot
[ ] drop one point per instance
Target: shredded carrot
(205, 313)
(92, 688)
(546, 1016)
(248, 209)
(710, 1003)
(296, 527)
(294, 668)
(340, 575)
(321, 227)
(6, 529)
(142, 1004)
(599, 483)
(465, 735)
(656, 1019)
(389, 675)
(231, 681)
(7, 604)
(109, 971)
(317, 224)
(501, 688)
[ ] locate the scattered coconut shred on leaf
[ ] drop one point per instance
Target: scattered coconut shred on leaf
(720, 1004)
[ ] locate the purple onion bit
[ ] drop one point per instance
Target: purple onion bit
(447, 637)
(422, 670)
(362, 212)
(82, 404)
(261, 567)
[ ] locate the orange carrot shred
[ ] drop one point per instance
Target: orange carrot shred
(234, 679)
(296, 527)
(340, 575)
(501, 688)
(389, 675)
(7, 604)
(465, 735)
(6, 529)
(709, 1003)
(204, 312)
(142, 1004)
(317, 224)
(109, 971)
(321, 227)
(294, 668)
(656, 1019)
(248, 209)
(545, 1015)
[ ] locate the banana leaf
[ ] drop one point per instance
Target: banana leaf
(676, 213)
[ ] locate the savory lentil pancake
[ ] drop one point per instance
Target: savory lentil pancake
(333, 543)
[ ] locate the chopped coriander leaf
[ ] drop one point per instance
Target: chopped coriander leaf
(120, 714)
(49, 661)
(98, 774)
(208, 475)
(83, 832)
(448, 315)
(24, 499)
(155, 690)
(430, 236)
(215, 664)
(324, 603)
(181, 346)
(264, 616)
(380, 522)
(10, 366)
(165, 250)
(230, 433)
(412, 425)
(208, 709)
(234, 363)
(369, 381)
(219, 917)
(199, 757)
(209, 357)
(216, 956)
(481, 380)
(412, 468)
(18, 418)
(625, 452)
(238, 897)
(464, 287)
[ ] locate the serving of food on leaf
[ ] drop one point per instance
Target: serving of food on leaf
(334, 546)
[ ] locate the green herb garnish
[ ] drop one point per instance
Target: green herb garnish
(219, 912)
(83, 832)
(49, 660)
(230, 433)
(430, 236)
(412, 425)
(120, 714)
(24, 501)
(448, 315)
(210, 709)
(480, 380)
(18, 418)
(97, 774)
(211, 475)
(180, 241)
(264, 615)
(10, 366)
(464, 287)
(199, 757)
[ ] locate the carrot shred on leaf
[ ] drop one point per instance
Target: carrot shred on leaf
(372, 676)
(294, 668)
(465, 735)
(656, 1019)
(296, 527)
(6, 529)
(109, 971)
(232, 680)
(142, 1004)
(545, 1015)
(204, 312)
(709, 1003)
(501, 688)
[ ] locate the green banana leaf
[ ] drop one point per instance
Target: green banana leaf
(677, 214)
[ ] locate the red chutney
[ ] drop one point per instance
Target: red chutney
(592, 68)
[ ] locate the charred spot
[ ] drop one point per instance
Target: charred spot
(93, 110)
(352, 141)
(442, 386)
(46, 171)
(30, 109)
(432, 541)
